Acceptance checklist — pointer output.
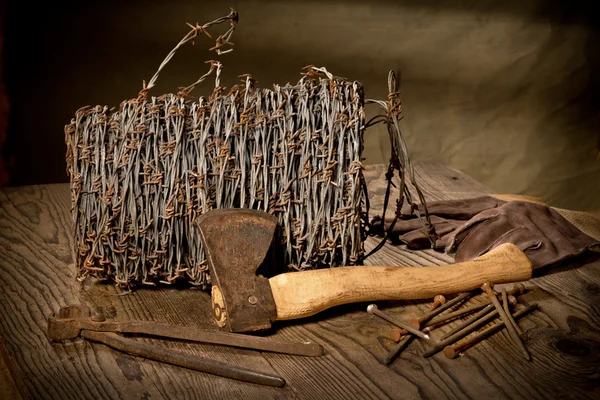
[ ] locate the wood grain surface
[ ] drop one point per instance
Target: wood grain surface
(37, 277)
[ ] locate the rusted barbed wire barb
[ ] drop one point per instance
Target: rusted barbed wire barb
(199, 30)
(195, 31)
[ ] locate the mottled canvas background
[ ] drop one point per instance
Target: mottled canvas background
(504, 91)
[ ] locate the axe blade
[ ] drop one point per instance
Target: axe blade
(237, 243)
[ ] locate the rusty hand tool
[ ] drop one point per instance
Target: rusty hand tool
(237, 242)
(130, 346)
(71, 320)
(180, 359)
(453, 350)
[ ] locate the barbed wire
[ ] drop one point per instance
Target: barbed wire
(143, 173)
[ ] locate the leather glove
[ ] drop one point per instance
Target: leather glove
(472, 227)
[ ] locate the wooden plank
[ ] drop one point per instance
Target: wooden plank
(37, 277)
(11, 383)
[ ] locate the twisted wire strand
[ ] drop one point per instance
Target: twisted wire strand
(399, 161)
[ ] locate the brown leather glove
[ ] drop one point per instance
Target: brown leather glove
(472, 227)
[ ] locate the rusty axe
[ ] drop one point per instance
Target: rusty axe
(238, 244)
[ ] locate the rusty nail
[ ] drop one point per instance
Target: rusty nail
(455, 314)
(462, 333)
(396, 350)
(517, 289)
(485, 311)
(453, 350)
(488, 308)
(438, 300)
(396, 334)
(372, 309)
(487, 287)
(522, 335)
(458, 299)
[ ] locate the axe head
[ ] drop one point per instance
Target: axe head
(237, 243)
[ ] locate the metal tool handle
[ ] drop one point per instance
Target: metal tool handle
(168, 356)
(200, 335)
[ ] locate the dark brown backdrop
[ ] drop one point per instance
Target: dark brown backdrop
(505, 91)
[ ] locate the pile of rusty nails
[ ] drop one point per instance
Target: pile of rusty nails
(457, 340)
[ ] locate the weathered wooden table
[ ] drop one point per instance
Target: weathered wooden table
(37, 277)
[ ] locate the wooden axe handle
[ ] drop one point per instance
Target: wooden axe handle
(301, 294)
